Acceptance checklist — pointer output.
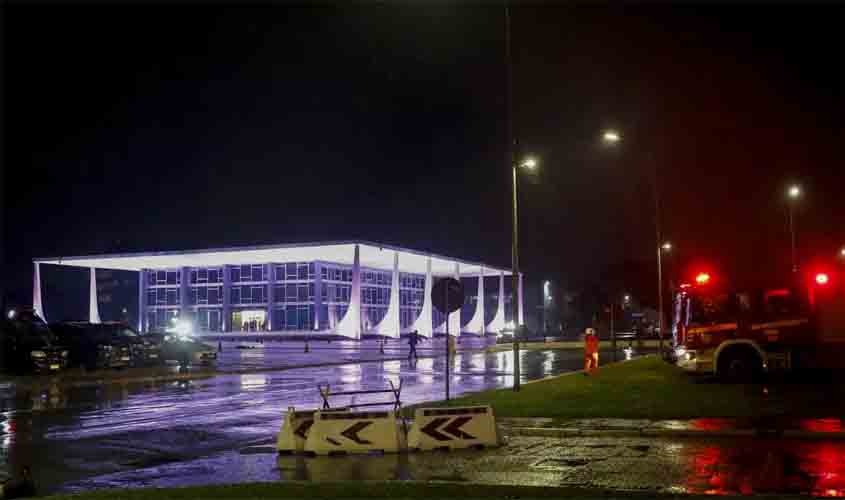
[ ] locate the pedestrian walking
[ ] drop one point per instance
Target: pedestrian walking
(591, 351)
(413, 338)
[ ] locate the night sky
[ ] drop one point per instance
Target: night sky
(138, 128)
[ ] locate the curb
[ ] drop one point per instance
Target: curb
(564, 432)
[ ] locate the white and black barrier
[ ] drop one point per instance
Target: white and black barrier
(295, 428)
(294, 431)
(453, 428)
(354, 432)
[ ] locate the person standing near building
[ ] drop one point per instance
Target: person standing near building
(591, 351)
(413, 338)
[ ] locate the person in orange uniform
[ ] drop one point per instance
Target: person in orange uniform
(591, 351)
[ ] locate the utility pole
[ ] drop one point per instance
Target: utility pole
(515, 238)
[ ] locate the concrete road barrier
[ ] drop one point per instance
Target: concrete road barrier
(354, 432)
(294, 431)
(453, 428)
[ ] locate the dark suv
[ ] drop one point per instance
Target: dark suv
(146, 351)
(28, 346)
(93, 346)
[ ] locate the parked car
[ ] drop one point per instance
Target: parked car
(27, 345)
(93, 346)
(146, 351)
(185, 349)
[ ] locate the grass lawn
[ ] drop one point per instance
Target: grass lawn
(643, 388)
(365, 489)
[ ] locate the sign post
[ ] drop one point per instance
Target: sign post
(447, 295)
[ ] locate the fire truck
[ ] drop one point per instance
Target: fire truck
(740, 334)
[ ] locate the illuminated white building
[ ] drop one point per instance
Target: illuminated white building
(343, 288)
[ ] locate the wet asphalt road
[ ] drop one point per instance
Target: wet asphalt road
(74, 434)
(700, 466)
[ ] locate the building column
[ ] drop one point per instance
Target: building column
(521, 302)
(93, 306)
(455, 317)
(226, 320)
(185, 293)
(318, 293)
(390, 325)
(497, 324)
(350, 325)
(142, 301)
(36, 292)
(271, 281)
(423, 324)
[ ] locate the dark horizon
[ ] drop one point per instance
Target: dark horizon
(143, 128)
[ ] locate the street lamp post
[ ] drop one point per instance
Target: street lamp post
(794, 193)
(611, 138)
(665, 247)
(527, 164)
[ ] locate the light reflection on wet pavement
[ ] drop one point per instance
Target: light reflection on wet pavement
(222, 430)
(719, 467)
(70, 434)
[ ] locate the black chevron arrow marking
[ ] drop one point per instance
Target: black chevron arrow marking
(431, 429)
(303, 429)
(351, 433)
(454, 428)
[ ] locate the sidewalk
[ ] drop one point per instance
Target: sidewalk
(817, 428)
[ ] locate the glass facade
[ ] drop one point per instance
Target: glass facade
(288, 296)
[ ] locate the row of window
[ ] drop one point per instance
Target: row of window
(294, 271)
(248, 272)
(206, 295)
(163, 297)
(160, 319)
(159, 278)
(281, 272)
(331, 273)
(207, 275)
(300, 292)
(335, 293)
(376, 296)
(411, 281)
(293, 318)
(245, 294)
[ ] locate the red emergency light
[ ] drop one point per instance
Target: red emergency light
(702, 278)
(822, 279)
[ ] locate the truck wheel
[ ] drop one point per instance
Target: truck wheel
(740, 365)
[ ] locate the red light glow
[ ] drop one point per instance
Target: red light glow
(702, 278)
(822, 279)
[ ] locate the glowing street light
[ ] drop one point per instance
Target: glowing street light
(666, 246)
(842, 253)
(529, 163)
(794, 191)
(611, 137)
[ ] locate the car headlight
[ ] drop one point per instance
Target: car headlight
(38, 354)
